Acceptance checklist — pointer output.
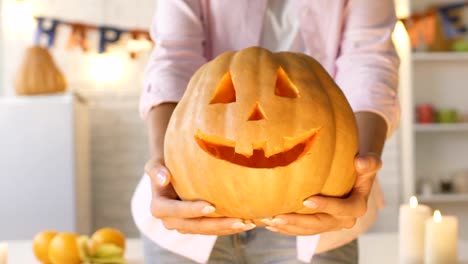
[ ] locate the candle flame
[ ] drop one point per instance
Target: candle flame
(413, 201)
(437, 216)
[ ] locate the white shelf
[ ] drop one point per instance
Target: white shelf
(433, 151)
(440, 56)
(457, 127)
(443, 198)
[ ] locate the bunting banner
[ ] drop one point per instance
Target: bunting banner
(421, 28)
(108, 35)
(42, 29)
(452, 23)
(78, 37)
(47, 29)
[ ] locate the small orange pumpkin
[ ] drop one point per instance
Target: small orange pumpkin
(258, 132)
(38, 74)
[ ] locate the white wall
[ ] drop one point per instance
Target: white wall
(1, 52)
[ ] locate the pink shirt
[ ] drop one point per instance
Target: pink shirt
(350, 38)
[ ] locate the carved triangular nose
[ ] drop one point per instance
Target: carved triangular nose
(257, 113)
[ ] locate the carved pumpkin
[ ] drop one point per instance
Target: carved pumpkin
(38, 74)
(257, 132)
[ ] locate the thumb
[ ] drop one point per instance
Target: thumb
(160, 179)
(369, 162)
(158, 173)
(163, 177)
(367, 166)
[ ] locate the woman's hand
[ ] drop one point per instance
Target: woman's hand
(333, 213)
(184, 216)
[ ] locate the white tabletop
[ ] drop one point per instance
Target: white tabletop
(374, 248)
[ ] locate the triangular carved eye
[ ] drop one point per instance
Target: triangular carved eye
(225, 92)
(257, 113)
(284, 87)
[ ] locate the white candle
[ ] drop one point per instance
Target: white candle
(3, 253)
(441, 239)
(412, 221)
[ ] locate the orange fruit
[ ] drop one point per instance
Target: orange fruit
(63, 249)
(41, 245)
(106, 236)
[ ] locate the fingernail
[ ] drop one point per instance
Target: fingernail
(161, 176)
(272, 229)
(279, 221)
(266, 221)
(362, 163)
(310, 204)
(249, 226)
(238, 225)
(208, 209)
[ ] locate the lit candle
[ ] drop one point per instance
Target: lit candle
(3, 253)
(412, 221)
(441, 239)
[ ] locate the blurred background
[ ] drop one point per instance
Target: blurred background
(70, 161)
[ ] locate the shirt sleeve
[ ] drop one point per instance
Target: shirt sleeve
(367, 65)
(178, 33)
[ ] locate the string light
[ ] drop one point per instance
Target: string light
(139, 45)
(106, 68)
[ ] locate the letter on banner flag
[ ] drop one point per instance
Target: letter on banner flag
(78, 37)
(451, 20)
(108, 35)
(50, 31)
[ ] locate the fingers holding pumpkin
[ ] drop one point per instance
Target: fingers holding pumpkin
(158, 173)
(160, 178)
(207, 226)
(355, 205)
(367, 163)
(188, 217)
(162, 207)
(367, 167)
(333, 213)
(165, 201)
(304, 224)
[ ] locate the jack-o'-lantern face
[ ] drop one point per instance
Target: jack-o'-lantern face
(255, 122)
(291, 148)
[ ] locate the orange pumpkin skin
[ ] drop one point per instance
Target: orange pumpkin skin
(257, 132)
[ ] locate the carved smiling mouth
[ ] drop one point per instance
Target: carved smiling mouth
(221, 148)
